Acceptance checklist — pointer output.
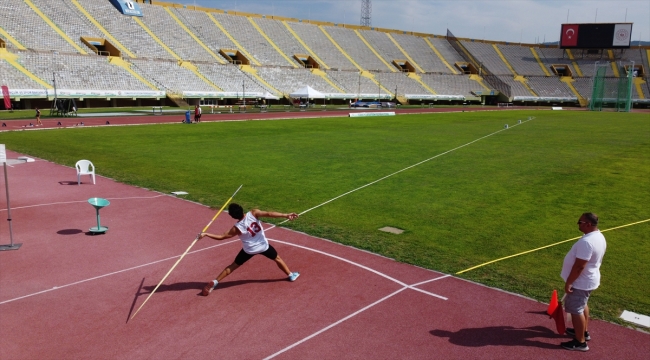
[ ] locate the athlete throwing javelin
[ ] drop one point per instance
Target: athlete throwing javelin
(250, 231)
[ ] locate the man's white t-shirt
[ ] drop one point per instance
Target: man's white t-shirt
(252, 234)
(590, 247)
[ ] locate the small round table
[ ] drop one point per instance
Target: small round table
(98, 203)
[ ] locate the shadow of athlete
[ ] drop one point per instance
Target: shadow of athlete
(499, 336)
(250, 231)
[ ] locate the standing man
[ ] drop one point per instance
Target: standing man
(250, 231)
(197, 113)
(38, 117)
(581, 273)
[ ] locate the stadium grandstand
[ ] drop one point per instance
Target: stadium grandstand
(109, 53)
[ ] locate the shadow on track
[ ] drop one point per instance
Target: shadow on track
(500, 336)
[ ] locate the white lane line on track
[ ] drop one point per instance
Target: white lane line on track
(365, 268)
(334, 324)
(113, 273)
(82, 201)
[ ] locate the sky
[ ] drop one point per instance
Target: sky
(528, 21)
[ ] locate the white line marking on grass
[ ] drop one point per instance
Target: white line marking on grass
(334, 324)
(406, 168)
(81, 201)
(112, 273)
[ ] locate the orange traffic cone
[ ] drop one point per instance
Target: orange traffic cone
(553, 304)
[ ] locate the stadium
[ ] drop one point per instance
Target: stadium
(437, 181)
(183, 54)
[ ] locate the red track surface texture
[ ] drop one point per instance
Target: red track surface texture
(68, 295)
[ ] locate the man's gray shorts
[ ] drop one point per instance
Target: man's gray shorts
(575, 302)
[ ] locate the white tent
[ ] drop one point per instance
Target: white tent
(270, 96)
(307, 92)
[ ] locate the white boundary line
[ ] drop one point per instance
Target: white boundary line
(409, 167)
(113, 273)
(365, 268)
(82, 201)
(334, 324)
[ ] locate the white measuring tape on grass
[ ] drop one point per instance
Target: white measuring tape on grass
(412, 166)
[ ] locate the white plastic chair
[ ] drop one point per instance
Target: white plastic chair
(85, 167)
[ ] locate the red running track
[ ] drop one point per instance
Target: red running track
(65, 294)
(165, 119)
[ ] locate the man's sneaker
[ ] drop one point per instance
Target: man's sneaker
(293, 276)
(207, 289)
(575, 345)
(572, 332)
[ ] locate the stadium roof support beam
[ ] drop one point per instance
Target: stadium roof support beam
(102, 29)
(405, 53)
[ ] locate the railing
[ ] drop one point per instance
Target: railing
(490, 78)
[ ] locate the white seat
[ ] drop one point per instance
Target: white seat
(85, 167)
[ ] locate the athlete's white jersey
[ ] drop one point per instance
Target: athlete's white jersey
(252, 234)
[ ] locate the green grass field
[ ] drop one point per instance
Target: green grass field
(516, 190)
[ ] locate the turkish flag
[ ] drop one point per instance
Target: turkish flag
(569, 35)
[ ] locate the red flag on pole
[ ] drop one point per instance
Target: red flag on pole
(5, 94)
(558, 316)
(569, 35)
(556, 311)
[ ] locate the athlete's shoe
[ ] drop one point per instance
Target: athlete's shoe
(572, 332)
(207, 289)
(575, 345)
(293, 276)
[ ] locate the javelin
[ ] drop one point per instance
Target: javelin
(186, 251)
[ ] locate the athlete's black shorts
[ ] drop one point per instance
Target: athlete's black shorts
(242, 257)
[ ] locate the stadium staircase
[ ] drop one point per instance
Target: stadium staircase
(569, 82)
(251, 71)
(118, 61)
(610, 55)
(518, 78)
(190, 33)
(191, 67)
(12, 59)
(340, 48)
(102, 29)
(322, 74)
(311, 52)
(574, 63)
(15, 42)
(54, 27)
(391, 68)
(439, 55)
(276, 47)
(479, 80)
(178, 100)
(539, 61)
(638, 83)
(232, 39)
(406, 54)
(417, 78)
(369, 75)
(156, 38)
